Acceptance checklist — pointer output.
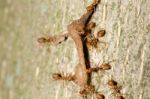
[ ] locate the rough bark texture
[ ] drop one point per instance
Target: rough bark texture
(26, 66)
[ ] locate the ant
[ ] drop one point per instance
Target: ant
(59, 76)
(92, 41)
(53, 39)
(113, 85)
(105, 66)
(100, 67)
(87, 89)
(91, 90)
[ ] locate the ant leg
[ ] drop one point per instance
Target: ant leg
(59, 76)
(53, 39)
(104, 45)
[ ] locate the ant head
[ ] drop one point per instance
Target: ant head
(100, 96)
(112, 83)
(119, 97)
(57, 76)
(105, 66)
(42, 40)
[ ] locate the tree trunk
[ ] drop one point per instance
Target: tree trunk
(26, 67)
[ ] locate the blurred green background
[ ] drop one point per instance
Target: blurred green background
(26, 66)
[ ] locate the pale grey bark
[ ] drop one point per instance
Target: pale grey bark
(26, 66)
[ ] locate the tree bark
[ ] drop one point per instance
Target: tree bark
(26, 67)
